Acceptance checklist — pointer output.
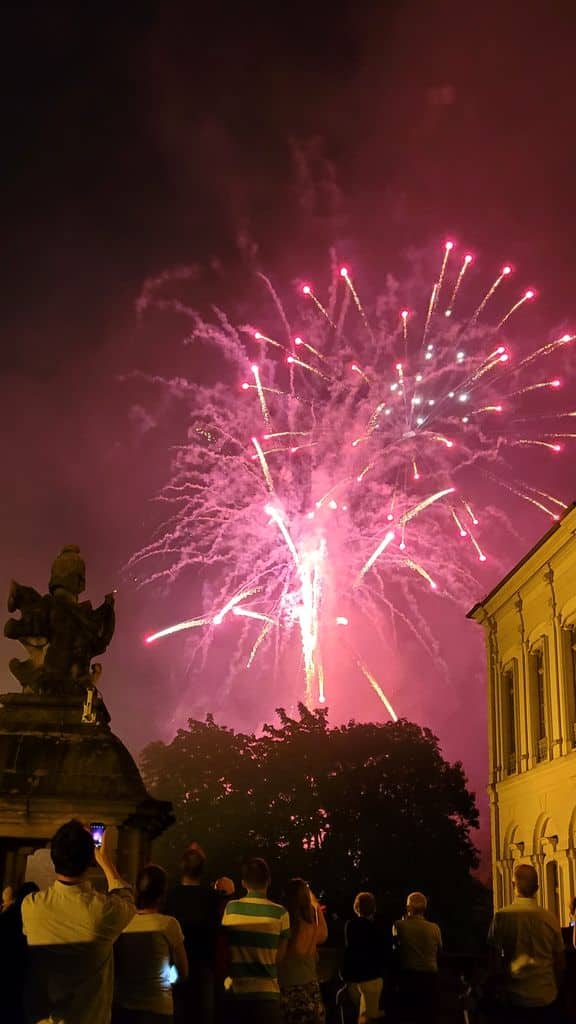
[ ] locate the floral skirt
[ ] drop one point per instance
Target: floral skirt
(302, 1004)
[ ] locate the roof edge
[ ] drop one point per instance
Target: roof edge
(536, 547)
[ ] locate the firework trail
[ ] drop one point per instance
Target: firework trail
(326, 492)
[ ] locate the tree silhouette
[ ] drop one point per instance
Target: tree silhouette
(360, 806)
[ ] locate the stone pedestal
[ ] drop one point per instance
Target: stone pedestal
(60, 760)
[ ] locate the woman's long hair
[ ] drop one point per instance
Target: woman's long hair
(299, 903)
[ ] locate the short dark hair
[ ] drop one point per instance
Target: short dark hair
(192, 864)
(150, 886)
(256, 873)
(72, 849)
(526, 879)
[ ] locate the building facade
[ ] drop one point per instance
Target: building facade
(529, 621)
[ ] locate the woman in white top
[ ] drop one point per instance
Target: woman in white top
(149, 957)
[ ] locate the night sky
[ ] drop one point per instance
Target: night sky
(137, 141)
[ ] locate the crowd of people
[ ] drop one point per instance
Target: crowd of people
(203, 954)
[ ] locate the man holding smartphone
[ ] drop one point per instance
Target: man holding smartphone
(71, 930)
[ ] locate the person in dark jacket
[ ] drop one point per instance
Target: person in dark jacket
(197, 909)
(14, 957)
(365, 959)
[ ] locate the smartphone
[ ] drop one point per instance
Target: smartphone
(97, 830)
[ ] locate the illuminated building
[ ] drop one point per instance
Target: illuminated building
(529, 621)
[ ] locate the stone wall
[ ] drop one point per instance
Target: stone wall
(57, 763)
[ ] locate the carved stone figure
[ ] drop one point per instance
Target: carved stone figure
(60, 634)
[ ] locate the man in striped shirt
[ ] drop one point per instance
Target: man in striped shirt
(257, 932)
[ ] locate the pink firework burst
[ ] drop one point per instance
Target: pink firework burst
(338, 466)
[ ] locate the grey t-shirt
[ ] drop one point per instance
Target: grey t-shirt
(528, 938)
(419, 942)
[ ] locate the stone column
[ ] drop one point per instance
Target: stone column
(548, 845)
(566, 683)
(557, 718)
(494, 702)
(515, 853)
(570, 855)
(564, 883)
(8, 868)
(538, 860)
(131, 852)
(499, 886)
(507, 886)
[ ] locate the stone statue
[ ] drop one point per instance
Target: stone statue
(60, 634)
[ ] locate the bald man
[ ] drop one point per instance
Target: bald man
(528, 952)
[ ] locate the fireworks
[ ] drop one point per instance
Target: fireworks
(338, 466)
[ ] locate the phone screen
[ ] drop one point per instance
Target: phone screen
(97, 830)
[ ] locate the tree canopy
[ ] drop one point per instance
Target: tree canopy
(360, 806)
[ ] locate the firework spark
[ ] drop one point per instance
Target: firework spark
(370, 495)
(458, 283)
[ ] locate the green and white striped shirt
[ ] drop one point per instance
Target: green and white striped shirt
(254, 927)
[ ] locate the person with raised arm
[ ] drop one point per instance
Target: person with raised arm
(298, 971)
(71, 930)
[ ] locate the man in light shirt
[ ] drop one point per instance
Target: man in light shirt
(418, 943)
(71, 930)
(527, 953)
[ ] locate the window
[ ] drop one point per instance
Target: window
(509, 720)
(572, 680)
(540, 694)
(539, 674)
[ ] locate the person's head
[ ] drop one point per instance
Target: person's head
(192, 865)
(416, 904)
(299, 902)
(255, 875)
(26, 889)
(365, 904)
(525, 880)
(150, 887)
(7, 896)
(225, 886)
(72, 850)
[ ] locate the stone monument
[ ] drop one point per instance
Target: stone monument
(58, 756)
